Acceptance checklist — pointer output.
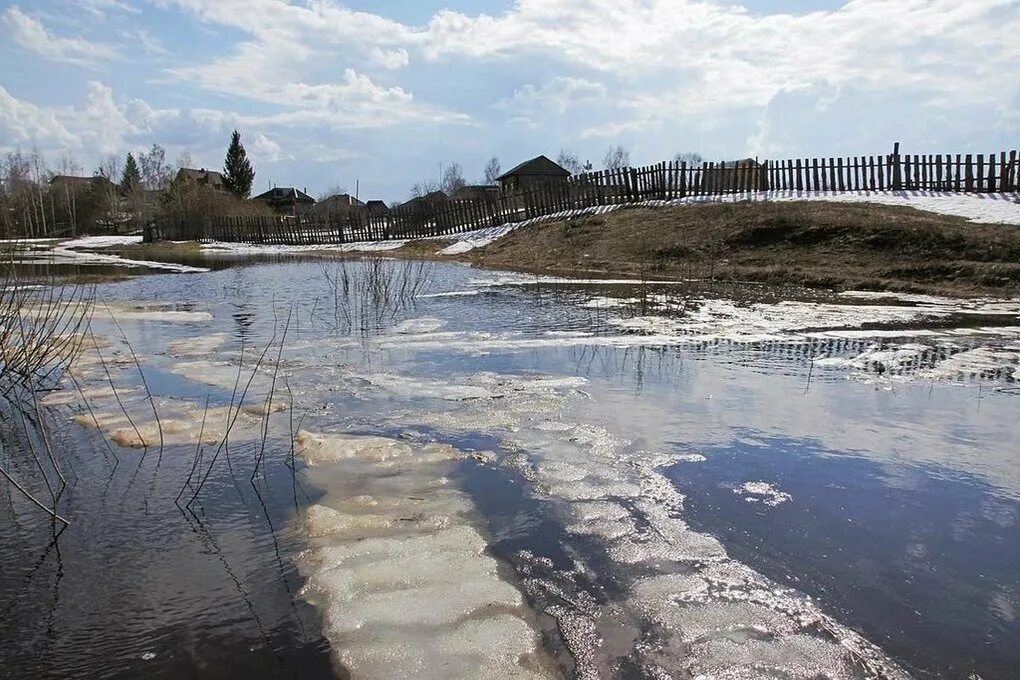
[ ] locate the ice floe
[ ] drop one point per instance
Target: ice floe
(762, 492)
(684, 589)
(406, 587)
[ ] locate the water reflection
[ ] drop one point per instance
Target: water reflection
(904, 485)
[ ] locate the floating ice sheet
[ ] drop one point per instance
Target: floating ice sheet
(406, 587)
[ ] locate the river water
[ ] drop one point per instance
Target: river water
(438, 471)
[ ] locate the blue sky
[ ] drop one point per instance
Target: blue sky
(382, 92)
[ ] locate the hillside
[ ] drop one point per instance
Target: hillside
(813, 243)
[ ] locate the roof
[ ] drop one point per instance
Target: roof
(475, 192)
(428, 199)
(376, 202)
(201, 176)
(342, 199)
(539, 166)
(71, 179)
(284, 194)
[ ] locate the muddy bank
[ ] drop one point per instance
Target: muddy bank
(832, 245)
(807, 243)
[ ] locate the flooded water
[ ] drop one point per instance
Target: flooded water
(439, 471)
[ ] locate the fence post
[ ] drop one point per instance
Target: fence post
(897, 176)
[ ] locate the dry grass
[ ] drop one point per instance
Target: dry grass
(807, 243)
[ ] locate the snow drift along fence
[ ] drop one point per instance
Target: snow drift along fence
(995, 173)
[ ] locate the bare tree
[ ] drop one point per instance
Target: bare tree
(568, 160)
(40, 177)
(492, 170)
(616, 157)
(68, 193)
(424, 188)
(453, 178)
(156, 173)
(107, 191)
(336, 190)
(689, 157)
(184, 160)
(18, 202)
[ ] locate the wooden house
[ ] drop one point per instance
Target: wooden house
(476, 192)
(201, 177)
(376, 208)
(287, 201)
(340, 205)
(532, 174)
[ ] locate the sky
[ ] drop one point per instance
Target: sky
(380, 94)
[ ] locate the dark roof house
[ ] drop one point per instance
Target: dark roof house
(377, 208)
(71, 181)
(202, 177)
(530, 174)
(427, 202)
(340, 204)
(476, 192)
(287, 200)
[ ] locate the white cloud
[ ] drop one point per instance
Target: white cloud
(701, 55)
(100, 8)
(147, 41)
(557, 95)
(262, 148)
(102, 125)
(289, 43)
(24, 123)
(30, 34)
(393, 59)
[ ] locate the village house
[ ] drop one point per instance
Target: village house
(340, 205)
(376, 208)
(287, 201)
(427, 203)
(532, 174)
(201, 177)
(476, 192)
(71, 182)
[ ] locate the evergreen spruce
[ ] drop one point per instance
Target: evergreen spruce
(131, 180)
(238, 174)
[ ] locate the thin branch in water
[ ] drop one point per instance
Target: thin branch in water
(198, 453)
(116, 394)
(232, 416)
(29, 496)
(268, 405)
(145, 383)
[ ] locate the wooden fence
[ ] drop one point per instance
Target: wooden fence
(660, 182)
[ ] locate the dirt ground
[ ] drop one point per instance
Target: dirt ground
(832, 245)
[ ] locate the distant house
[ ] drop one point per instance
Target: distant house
(427, 203)
(531, 174)
(201, 177)
(72, 182)
(476, 192)
(338, 205)
(287, 200)
(376, 208)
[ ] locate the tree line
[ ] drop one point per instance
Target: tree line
(121, 194)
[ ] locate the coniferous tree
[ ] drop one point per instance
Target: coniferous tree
(132, 178)
(238, 174)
